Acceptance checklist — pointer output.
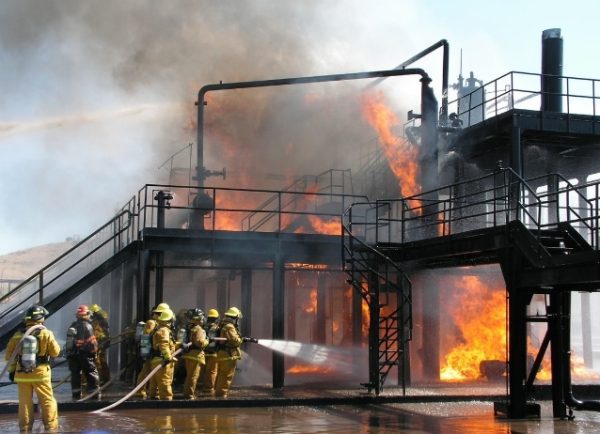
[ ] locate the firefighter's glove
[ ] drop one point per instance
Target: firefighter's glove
(165, 362)
(186, 347)
(249, 339)
(11, 376)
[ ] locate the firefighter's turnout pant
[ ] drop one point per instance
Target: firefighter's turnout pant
(163, 378)
(40, 382)
(209, 373)
(83, 363)
(225, 371)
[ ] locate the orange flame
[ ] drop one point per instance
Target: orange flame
(480, 316)
(401, 155)
(312, 305)
(308, 369)
(328, 227)
(366, 317)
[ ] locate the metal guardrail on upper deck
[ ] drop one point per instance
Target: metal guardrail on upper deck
(237, 209)
(311, 212)
(488, 201)
(523, 90)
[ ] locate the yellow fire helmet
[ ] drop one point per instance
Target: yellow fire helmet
(95, 308)
(212, 313)
(161, 307)
(165, 315)
(233, 312)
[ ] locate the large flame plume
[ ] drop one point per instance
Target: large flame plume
(401, 155)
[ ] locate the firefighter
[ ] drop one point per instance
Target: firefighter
(194, 343)
(163, 346)
(228, 352)
(101, 330)
(30, 369)
(151, 388)
(182, 322)
(208, 374)
(81, 349)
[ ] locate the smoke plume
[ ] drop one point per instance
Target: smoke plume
(99, 95)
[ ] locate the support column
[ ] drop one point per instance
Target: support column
(320, 336)
(246, 289)
(558, 326)
(374, 377)
(278, 320)
(516, 150)
(201, 291)
(357, 335)
(404, 330)
(111, 303)
(586, 330)
(222, 292)
(145, 263)
(517, 350)
(431, 328)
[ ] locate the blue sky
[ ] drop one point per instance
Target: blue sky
(97, 94)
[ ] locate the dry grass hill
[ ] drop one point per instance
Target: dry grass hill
(24, 263)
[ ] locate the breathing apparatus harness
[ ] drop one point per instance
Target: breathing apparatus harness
(17, 347)
(27, 353)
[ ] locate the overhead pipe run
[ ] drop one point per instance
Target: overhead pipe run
(201, 172)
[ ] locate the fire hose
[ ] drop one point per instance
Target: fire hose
(150, 375)
(104, 386)
(138, 387)
(68, 377)
(16, 350)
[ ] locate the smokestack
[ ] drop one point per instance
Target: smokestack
(552, 62)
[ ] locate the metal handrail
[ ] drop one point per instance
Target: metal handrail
(125, 217)
(304, 182)
(492, 98)
(287, 205)
(487, 201)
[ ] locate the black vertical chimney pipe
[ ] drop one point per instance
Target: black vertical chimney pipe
(552, 63)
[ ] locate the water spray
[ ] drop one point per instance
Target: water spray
(336, 358)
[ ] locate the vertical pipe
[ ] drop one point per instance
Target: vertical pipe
(552, 63)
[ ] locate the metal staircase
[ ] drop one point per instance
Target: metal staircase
(386, 290)
(71, 273)
(543, 233)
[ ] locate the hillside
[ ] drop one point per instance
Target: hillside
(23, 263)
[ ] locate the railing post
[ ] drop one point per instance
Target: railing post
(41, 289)
(279, 211)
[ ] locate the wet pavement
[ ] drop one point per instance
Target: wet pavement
(315, 407)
